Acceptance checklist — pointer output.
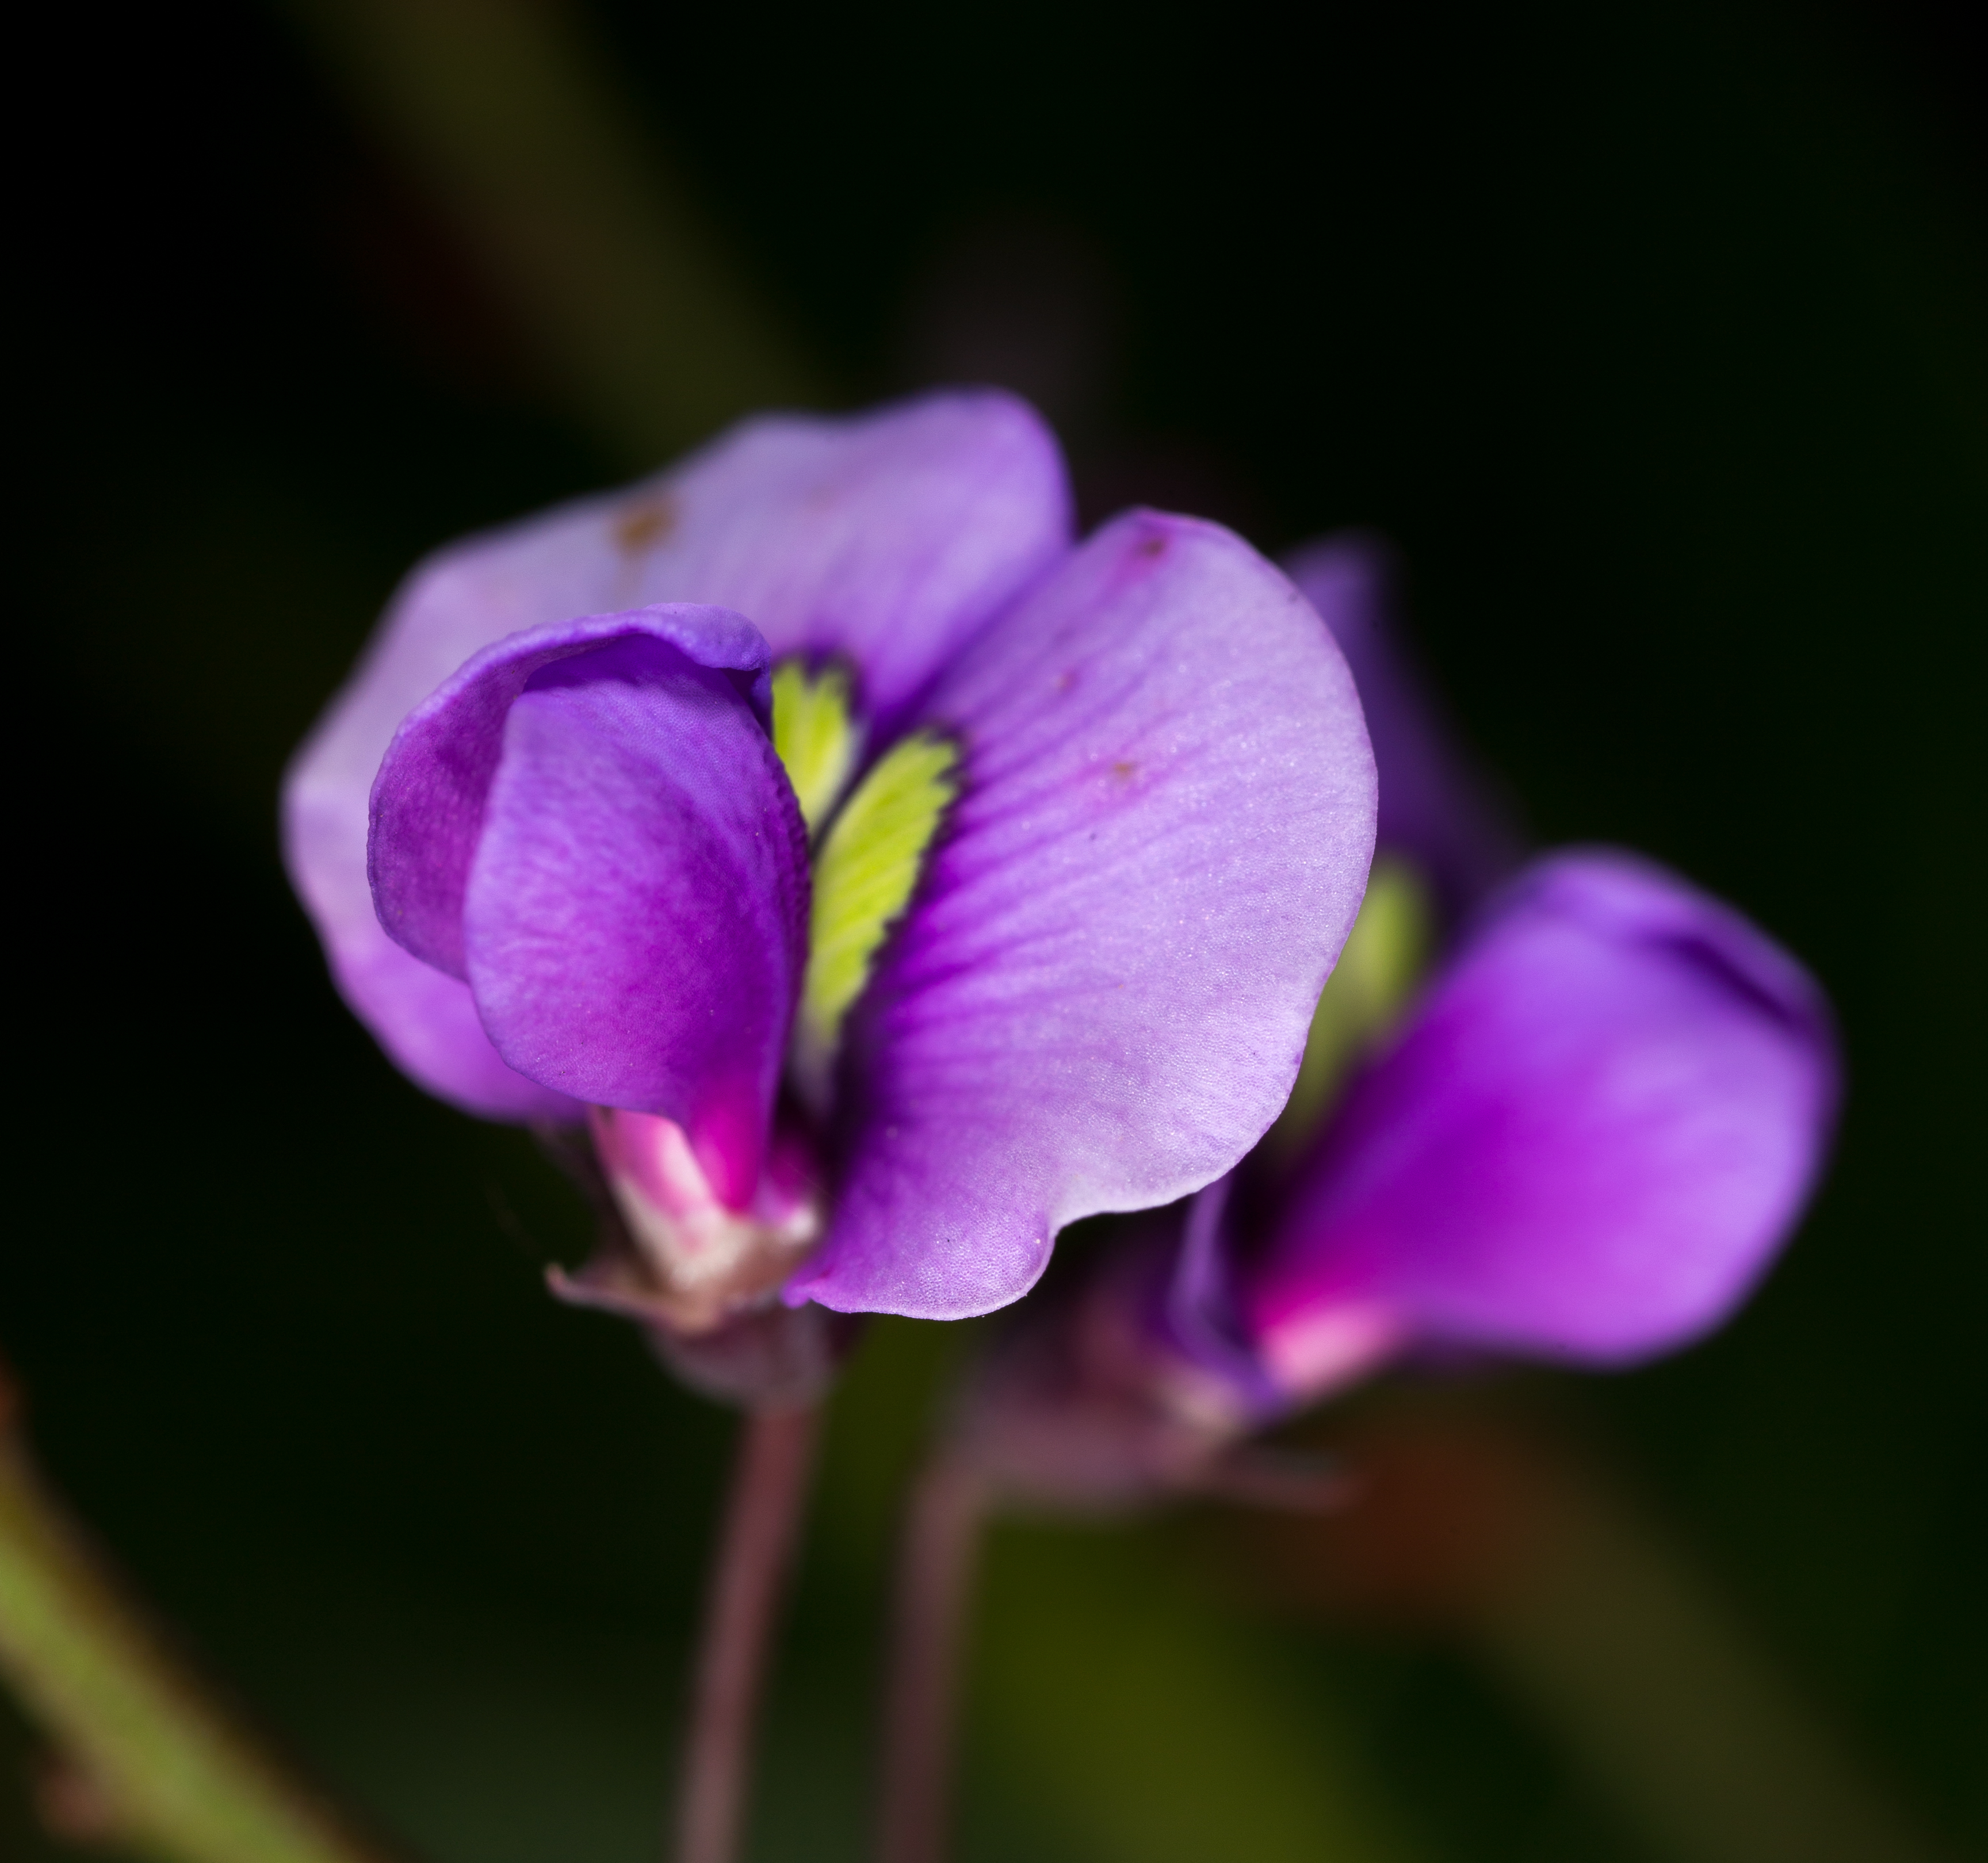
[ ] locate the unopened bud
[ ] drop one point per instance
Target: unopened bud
(688, 1261)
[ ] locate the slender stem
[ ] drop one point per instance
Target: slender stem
(755, 1546)
(508, 115)
(147, 1759)
(934, 1581)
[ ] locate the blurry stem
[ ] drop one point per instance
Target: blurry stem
(513, 122)
(159, 1766)
(937, 1566)
(1607, 1629)
(762, 1515)
(935, 1574)
(1619, 1643)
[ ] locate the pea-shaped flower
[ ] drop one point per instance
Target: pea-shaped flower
(892, 882)
(1593, 1135)
(1582, 1139)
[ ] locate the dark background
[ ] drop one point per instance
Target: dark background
(1657, 340)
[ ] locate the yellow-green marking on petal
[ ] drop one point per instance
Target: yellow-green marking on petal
(816, 735)
(864, 874)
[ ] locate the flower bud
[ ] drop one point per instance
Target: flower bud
(684, 1258)
(1591, 1139)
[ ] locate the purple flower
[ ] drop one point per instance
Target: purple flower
(1583, 1139)
(1586, 1144)
(895, 882)
(1601, 1122)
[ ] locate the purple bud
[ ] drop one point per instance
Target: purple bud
(702, 1259)
(1588, 1144)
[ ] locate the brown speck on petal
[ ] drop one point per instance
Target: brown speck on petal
(642, 526)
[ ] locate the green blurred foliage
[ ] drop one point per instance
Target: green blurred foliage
(1655, 337)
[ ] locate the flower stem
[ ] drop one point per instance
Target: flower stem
(508, 116)
(755, 1546)
(934, 1581)
(158, 1766)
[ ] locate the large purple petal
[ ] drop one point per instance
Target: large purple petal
(426, 1021)
(888, 537)
(427, 803)
(1436, 805)
(1099, 999)
(1588, 1144)
(588, 822)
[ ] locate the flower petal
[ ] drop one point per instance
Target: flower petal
(1435, 807)
(888, 538)
(428, 801)
(1099, 998)
(425, 1020)
(1588, 1143)
(590, 824)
